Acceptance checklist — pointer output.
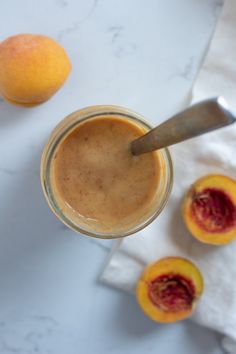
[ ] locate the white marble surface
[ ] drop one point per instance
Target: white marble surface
(135, 53)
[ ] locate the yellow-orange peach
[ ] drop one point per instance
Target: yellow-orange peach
(32, 69)
(168, 290)
(209, 209)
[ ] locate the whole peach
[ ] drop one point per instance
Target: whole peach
(32, 68)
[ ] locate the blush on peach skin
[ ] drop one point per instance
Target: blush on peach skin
(32, 69)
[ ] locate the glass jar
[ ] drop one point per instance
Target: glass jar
(64, 128)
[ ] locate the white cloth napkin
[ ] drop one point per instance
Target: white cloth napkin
(167, 236)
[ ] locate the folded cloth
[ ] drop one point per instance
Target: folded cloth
(167, 236)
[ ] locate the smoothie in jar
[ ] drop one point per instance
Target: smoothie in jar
(98, 184)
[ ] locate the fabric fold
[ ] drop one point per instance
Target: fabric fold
(167, 236)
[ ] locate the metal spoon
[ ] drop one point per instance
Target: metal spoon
(198, 119)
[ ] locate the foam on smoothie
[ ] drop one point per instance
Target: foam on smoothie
(97, 181)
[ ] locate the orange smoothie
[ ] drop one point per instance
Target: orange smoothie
(98, 182)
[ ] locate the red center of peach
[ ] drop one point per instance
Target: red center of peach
(171, 292)
(214, 210)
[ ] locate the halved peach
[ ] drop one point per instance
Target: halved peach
(168, 290)
(209, 209)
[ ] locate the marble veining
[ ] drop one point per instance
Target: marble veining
(188, 69)
(8, 171)
(62, 3)
(31, 338)
(116, 32)
(120, 46)
(186, 72)
(14, 172)
(45, 319)
(76, 25)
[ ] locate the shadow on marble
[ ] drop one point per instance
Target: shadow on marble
(31, 236)
(131, 321)
(11, 114)
(180, 235)
(203, 338)
(25, 215)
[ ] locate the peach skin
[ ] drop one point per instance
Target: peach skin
(32, 68)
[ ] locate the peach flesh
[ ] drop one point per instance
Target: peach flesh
(213, 210)
(172, 292)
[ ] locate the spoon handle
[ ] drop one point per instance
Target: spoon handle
(198, 119)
